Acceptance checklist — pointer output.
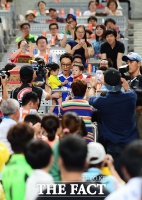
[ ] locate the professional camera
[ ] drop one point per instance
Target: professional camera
(124, 72)
(3, 73)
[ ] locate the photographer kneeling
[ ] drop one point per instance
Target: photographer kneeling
(134, 62)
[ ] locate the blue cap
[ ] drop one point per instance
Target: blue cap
(71, 16)
(132, 56)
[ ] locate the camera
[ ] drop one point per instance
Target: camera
(3, 74)
(124, 71)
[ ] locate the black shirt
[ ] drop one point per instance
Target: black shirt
(76, 196)
(112, 53)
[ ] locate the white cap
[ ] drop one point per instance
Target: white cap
(96, 153)
(29, 12)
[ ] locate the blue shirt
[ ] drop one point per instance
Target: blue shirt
(97, 45)
(118, 121)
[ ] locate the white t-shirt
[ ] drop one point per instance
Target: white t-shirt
(88, 13)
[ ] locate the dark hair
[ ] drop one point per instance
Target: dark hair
(103, 68)
(92, 18)
(66, 55)
(88, 31)
(50, 123)
(41, 37)
(79, 87)
(25, 81)
(52, 24)
(19, 43)
(53, 66)
(79, 65)
(71, 121)
(111, 31)
(26, 23)
(9, 66)
(77, 56)
(32, 118)
(81, 26)
(109, 20)
(139, 97)
(104, 29)
(131, 158)
(50, 9)
(90, 3)
(110, 63)
(38, 154)
(73, 151)
(83, 128)
(19, 135)
(97, 1)
(41, 2)
(114, 1)
(29, 96)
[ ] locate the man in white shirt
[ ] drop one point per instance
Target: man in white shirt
(10, 110)
(131, 162)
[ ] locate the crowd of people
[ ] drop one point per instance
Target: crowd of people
(92, 131)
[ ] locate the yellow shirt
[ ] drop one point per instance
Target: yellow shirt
(54, 81)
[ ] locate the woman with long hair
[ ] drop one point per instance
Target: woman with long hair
(79, 45)
(100, 32)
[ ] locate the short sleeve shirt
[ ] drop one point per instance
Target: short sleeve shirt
(112, 53)
(54, 81)
(31, 39)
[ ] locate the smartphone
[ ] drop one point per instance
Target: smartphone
(99, 75)
(82, 40)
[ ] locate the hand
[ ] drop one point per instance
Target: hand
(37, 130)
(4, 81)
(67, 27)
(78, 46)
(56, 95)
(125, 84)
(93, 81)
(65, 82)
(3, 6)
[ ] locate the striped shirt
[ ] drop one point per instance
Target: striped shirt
(83, 109)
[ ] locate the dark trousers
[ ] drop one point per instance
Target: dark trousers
(115, 151)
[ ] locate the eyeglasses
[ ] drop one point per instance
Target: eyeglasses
(53, 29)
(80, 32)
(65, 65)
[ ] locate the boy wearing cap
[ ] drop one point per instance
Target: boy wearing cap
(134, 62)
(117, 109)
(96, 160)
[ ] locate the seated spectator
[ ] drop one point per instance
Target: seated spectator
(4, 5)
(131, 166)
(17, 170)
(100, 39)
(30, 16)
(44, 49)
(99, 5)
(54, 15)
(25, 29)
(105, 63)
(111, 9)
(111, 23)
(72, 162)
(42, 8)
(79, 45)
(38, 154)
(50, 124)
(55, 36)
(92, 9)
(92, 20)
(77, 71)
(82, 108)
(30, 105)
(112, 48)
(24, 49)
(68, 33)
(77, 58)
(11, 114)
(118, 3)
(97, 159)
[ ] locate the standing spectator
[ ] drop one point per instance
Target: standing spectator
(54, 15)
(17, 170)
(39, 156)
(92, 9)
(55, 36)
(25, 29)
(79, 45)
(111, 9)
(112, 48)
(79, 105)
(100, 39)
(42, 8)
(118, 129)
(68, 33)
(11, 114)
(30, 16)
(43, 48)
(92, 20)
(131, 164)
(111, 23)
(134, 62)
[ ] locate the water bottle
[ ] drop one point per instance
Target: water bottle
(35, 51)
(50, 58)
(94, 69)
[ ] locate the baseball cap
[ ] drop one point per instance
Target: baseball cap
(132, 56)
(4, 155)
(96, 153)
(71, 16)
(112, 79)
(29, 12)
(26, 72)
